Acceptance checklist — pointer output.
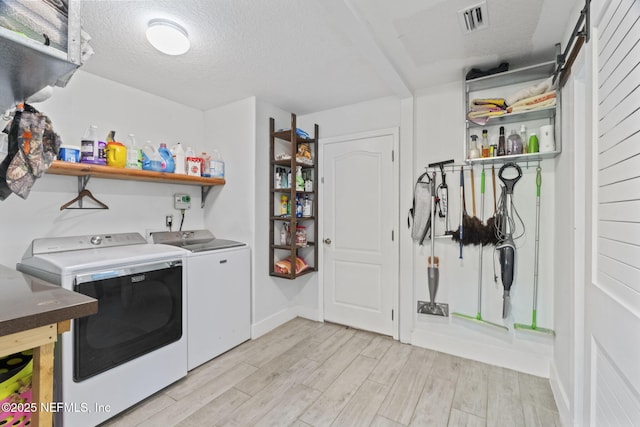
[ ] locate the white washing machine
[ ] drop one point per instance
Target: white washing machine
(218, 292)
(136, 344)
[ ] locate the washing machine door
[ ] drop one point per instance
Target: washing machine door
(139, 311)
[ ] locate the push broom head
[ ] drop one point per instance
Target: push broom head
(533, 327)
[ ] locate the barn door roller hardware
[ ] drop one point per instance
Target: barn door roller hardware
(579, 36)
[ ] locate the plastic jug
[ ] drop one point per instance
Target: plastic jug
(217, 165)
(134, 155)
(167, 163)
(116, 154)
(178, 158)
(91, 149)
(151, 159)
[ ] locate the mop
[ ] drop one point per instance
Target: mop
(534, 327)
(478, 317)
(505, 226)
(433, 274)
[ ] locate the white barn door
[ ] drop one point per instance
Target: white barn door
(612, 312)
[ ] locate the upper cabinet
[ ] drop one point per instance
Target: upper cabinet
(538, 113)
(31, 61)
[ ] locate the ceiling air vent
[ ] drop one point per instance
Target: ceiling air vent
(474, 18)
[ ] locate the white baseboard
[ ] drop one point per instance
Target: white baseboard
(263, 326)
(522, 360)
(561, 397)
(270, 323)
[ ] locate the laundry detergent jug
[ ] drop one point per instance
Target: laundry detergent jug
(151, 159)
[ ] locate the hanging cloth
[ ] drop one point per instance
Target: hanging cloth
(33, 145)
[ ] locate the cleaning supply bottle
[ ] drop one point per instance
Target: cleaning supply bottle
(474, 153)
(299, 179)
(151, 159)
(91, 149)
(178, 158)
(502, 148)
(514, 143)
(307, 206)
(167, 164)
(134, 156)
(217, 165)
(523, 138)
(533, 143)
(284, 204)
(485, 143)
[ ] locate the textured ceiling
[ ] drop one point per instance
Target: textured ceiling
(310, 55)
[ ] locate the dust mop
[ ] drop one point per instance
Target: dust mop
(478, 317)
(433, 274)
(534, 327)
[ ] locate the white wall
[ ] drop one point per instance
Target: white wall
(229, 209)
(439, 136)
(134, 206)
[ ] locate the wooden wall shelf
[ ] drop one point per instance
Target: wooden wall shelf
(85, 170)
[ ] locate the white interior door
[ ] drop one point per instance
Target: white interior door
(613, 295)
(359, 226)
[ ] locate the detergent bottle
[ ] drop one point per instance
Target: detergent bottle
(167, 163)
(179, 158)
(134, 156)
(151, 159)
(217, 166)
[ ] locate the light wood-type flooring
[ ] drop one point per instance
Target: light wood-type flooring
(306, 373)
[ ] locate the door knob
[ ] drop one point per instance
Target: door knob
(327, 241)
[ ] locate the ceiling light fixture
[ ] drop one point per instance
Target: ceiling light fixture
(168, 37)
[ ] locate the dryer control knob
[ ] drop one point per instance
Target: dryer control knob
(96, 240)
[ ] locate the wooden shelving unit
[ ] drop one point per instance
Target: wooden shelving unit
(290, 141)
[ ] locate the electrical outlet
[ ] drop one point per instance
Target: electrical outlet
(168, 220)
(181, 201)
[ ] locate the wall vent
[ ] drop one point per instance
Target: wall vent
(474, 18)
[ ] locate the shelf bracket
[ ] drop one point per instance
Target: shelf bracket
(204, 192)
(82, 184)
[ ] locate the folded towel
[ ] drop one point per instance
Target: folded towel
(498, 102)
(542, 87)
(539, 101)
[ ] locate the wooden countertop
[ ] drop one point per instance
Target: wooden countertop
(27, 302)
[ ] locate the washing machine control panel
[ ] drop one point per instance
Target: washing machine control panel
(74, 243)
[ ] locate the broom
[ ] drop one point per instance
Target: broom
(471, 230)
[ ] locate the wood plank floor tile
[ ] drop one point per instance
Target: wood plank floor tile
(339, 393)
(141, 411)
(405, 392)
(463, 419)
(377, 347)
(363, 406)
(276, 346)
(326, 374)
(251, 411)
(391, 364)
(216, 410)
(195, 400)
(325, 349)
(294, 402)
(536, 390)
(504, 406)
(471, 388)
(447, 366)
(308, 373)
(380, 421)
(435, 402)
(274, 369)
(536, 416)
